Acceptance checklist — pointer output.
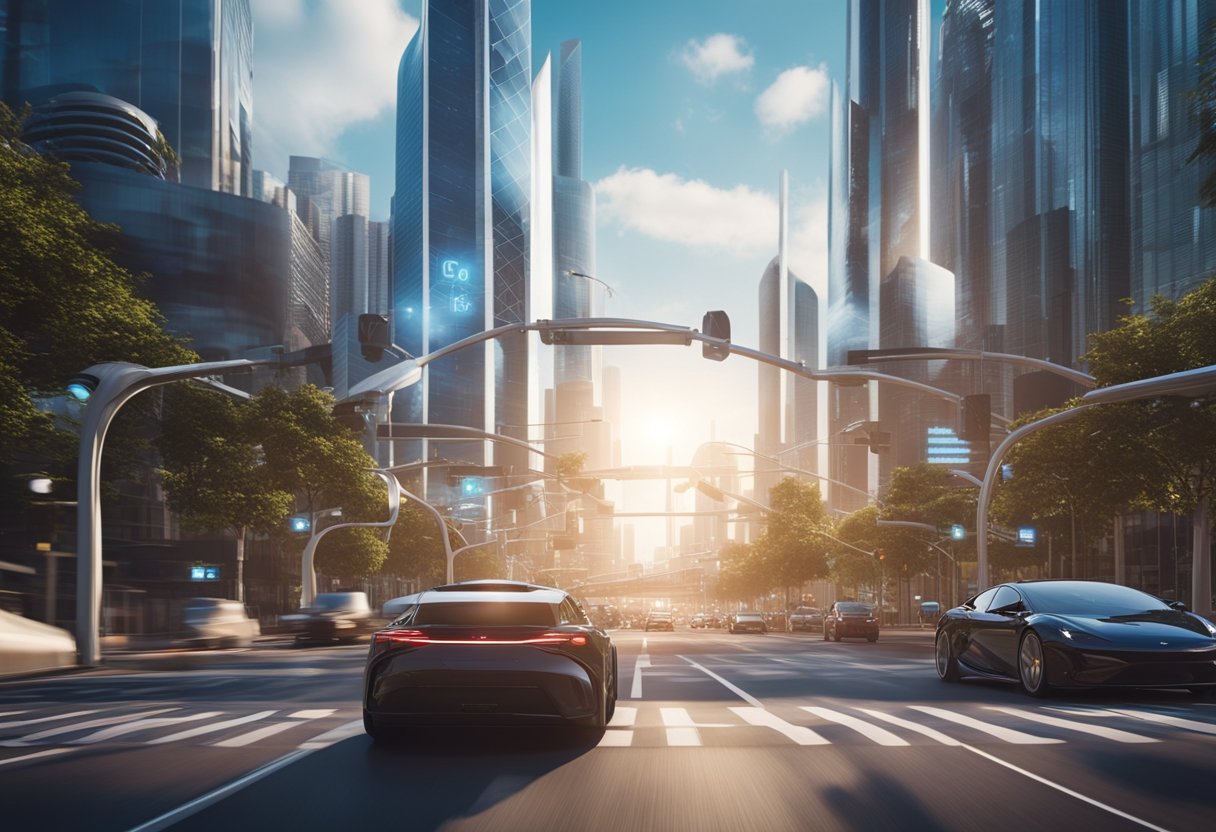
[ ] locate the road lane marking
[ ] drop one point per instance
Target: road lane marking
(798, 733)
(1083, 798)
(12, 713)
(924, 730)
(643, 660)
(50, 752)
(1172, 721)
(625, 717)
(29, 739)
(872, 732)
(737, 691)
(680, 728)
(1071, 725)
(242, 740)
(212, 728)
(1007, 734)
(343, 732)
(140, 725)
(615, 739)
(20, 723)
(316, 713)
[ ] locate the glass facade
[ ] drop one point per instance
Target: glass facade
(460, 213)
(1173, 238)
(186, 63)
(1061, 206)
(334, 190)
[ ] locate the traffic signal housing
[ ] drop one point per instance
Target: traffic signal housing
(976, 421)
(374, 336)
(716, 324)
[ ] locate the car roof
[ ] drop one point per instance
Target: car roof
(492, 591)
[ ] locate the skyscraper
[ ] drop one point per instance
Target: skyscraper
(460, 214)
(186, 63)
(334, 189)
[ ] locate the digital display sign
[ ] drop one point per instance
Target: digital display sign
(204, 573)
(1027, 536)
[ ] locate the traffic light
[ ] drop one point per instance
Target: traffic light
(716, 324)
(976, 418)
(881, 554)
(81, 386)
(957, 532)
(374, 336)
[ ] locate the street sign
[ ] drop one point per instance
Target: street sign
(300, 524)
(1027, 536)
(958, 532)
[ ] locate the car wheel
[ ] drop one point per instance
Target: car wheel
(943, 658)
(825, 633)
(835, 635)
(612, 689)
(379, 735)
(1032, 665)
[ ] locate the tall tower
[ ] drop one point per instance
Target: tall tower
(186, 63)
(460, 219)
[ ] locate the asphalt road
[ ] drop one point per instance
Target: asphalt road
(712, 732)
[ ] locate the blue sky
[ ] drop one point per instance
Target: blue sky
(691, 110)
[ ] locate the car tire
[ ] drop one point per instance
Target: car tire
(379, 734)
(836, 635)
(612, 689)
(1032, 665)
(944, 659)
(825, 633)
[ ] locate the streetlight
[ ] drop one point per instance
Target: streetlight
(573, 273)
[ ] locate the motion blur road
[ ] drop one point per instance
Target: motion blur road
(713, 731)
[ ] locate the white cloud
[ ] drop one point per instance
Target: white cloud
(320, 67)
(809, 244)
(798, 95)
(717, 55)
(665, 207)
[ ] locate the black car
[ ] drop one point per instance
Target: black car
(747, 622)
(489, 652)
(850, 619)
(334, 616)
(1047, 634)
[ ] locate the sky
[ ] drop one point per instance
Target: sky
(691, 108)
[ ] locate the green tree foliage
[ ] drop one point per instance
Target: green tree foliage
(849, 567)
(793, 547)
(351, 553)
(65, 305)
(922, 493)
(741, 574)
(415, 549)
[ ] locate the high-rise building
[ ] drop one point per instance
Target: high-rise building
(460, 217)
(1061, 207)
(789, 328)
(878, 203)
(186, 63)
(1173, 237)
(333, 189)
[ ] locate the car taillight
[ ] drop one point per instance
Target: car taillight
(386, 639)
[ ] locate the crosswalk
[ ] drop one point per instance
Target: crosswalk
(897, 725)
(142, 725)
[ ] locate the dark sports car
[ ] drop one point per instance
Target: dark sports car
(487, 652)
(1048, 634)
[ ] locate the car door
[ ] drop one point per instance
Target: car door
(994, 631)
(973, 621)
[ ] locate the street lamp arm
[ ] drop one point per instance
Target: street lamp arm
(937, 354)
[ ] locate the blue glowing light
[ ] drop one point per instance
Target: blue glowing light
(1027, 536)
(198, 573)
(300, 524)
(957, 532)
(80, 392)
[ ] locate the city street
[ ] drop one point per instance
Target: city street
(712, 731)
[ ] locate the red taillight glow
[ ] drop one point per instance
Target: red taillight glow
(389, 638)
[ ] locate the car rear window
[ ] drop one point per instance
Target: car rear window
(486, 614)
(854, 609)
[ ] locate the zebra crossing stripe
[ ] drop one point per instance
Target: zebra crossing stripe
(1172, 721)
(28, 739)
(615, 739)
(1007, 734)
(872, 732)
(140, 725)
(681, 730)
(625, 717)
(798, 733)
(1071, 725)
(211, 729)
(50, 752)
(11, 713)
(21, 723)
(924, 730)
(255, 735)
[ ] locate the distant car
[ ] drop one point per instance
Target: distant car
(747, 622)
(27, 646)
(335, 616)
(806, 618)
(850, 619)
(1068, 634)
(486, 652)
(218, 622)
(659, 621)
(700, 621)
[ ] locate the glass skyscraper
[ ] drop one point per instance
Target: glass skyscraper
(460, 214)
(186, 63)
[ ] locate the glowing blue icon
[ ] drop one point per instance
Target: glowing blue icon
(211, 573)
(452, 270)
(957, 532)
(300, 524)
(79, 392)
(461, 303)
(1027, 536)
(197, 573)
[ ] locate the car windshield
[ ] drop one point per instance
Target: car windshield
(1089, 598)
(330, 601)
(486, 614)
(854, 609)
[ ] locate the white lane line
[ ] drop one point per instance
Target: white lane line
(1006, 734)
(924, 730)
(871, 732)
(12, 713)
(615, 739)
(140, 725)
(1071, 725)
(20, 723)
(1083, 798)
(316, 713)
(635, 691)
(50, 752)
(343, 732)
(742, 694)
(798, 733)
(625, 717)
(211, 729)
(253, 736)
(29, 739)
(1172, 721)
(680, 728)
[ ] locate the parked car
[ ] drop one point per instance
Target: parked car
(850, 619)
(700, 621)
(806, 618)
(747, 622)
(1069, 634)
(335, 616)
(657, 620)
(27, 646)
(218, 622)
(486, 652)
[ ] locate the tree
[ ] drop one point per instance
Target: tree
(793, 545)
(351, 553)
(741, 573)
(848, 566)
(65, 306)
(922, 493)
(415, 549)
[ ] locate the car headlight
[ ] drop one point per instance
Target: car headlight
(1080, 636)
